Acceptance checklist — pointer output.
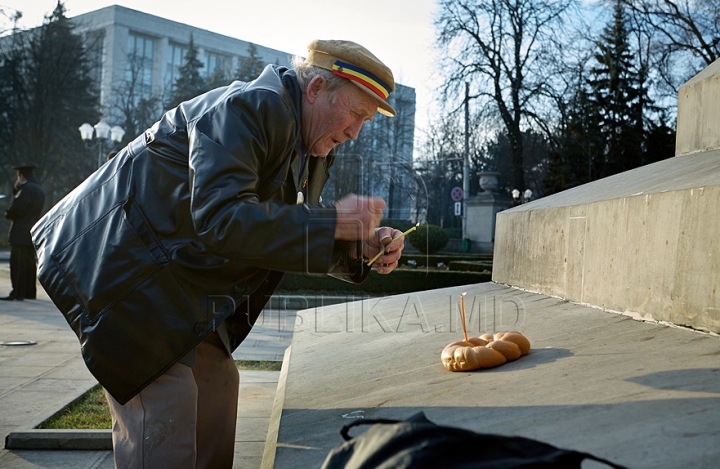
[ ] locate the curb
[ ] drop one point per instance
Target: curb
(60, 440)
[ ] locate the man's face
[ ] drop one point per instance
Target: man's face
(328, 123)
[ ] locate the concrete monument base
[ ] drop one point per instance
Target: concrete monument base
(640, 394)
(643, 242)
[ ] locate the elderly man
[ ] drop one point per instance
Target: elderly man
(162, 260)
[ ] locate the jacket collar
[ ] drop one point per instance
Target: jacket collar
(315, 167)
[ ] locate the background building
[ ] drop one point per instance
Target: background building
(131, 46)
(138, 56)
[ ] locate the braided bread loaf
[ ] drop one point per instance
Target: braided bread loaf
(485, 351)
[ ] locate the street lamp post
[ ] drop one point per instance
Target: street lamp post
(466, 166)
(526, 196)
(102, 132)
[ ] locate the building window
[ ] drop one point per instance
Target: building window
(216, 64)
(176, 59)
(95, 40)
(138, 72)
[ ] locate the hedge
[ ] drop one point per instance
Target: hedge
(399, 281)
(469, 266)
(454, 232)
(428, 239)
(434, 259)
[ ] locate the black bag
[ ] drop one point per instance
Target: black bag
(418, 443)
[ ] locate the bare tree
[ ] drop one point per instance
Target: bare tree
(440, 164)
(440, 167)
(503, 48)
(9, 18)
(138, 107)
(686, 35)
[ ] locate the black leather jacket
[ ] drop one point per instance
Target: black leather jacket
(191, 225)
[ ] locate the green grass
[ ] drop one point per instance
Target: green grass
(91, 410)
(262, 365)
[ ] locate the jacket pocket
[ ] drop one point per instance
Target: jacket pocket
(110, 258)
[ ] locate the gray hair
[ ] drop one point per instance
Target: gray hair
(306, 72)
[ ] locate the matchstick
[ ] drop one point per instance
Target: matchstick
(382, 251)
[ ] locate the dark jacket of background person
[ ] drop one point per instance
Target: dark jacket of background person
(160, 245)
(25, 211)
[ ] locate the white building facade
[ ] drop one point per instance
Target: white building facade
(127, 44)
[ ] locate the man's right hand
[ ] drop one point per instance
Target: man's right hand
(357, 217)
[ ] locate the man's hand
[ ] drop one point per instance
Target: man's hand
(393, 249)
(358, 217)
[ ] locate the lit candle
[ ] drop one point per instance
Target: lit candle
(462, 312)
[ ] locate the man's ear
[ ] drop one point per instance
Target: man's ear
(316, 85)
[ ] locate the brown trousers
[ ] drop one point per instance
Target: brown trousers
(185, 419)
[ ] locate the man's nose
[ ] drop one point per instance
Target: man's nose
(353, 130)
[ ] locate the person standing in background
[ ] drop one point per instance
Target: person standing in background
(24, 212)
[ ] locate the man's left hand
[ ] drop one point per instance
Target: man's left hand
(393, 249)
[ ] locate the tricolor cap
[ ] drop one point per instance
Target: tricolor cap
(352, 61)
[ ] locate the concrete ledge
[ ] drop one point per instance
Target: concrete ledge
(642, 243)
(94, 440)
(698, 112)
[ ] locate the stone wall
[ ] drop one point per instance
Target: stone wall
(699, 112)
(644, 242)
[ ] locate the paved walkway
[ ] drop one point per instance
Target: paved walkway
(38, 380)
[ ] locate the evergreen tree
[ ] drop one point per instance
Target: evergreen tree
(46, 92)
(660, 140)
(190, 83)
(217, 79)
(618, 98)
(250, 66)
(612, 124)
(579, 142)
